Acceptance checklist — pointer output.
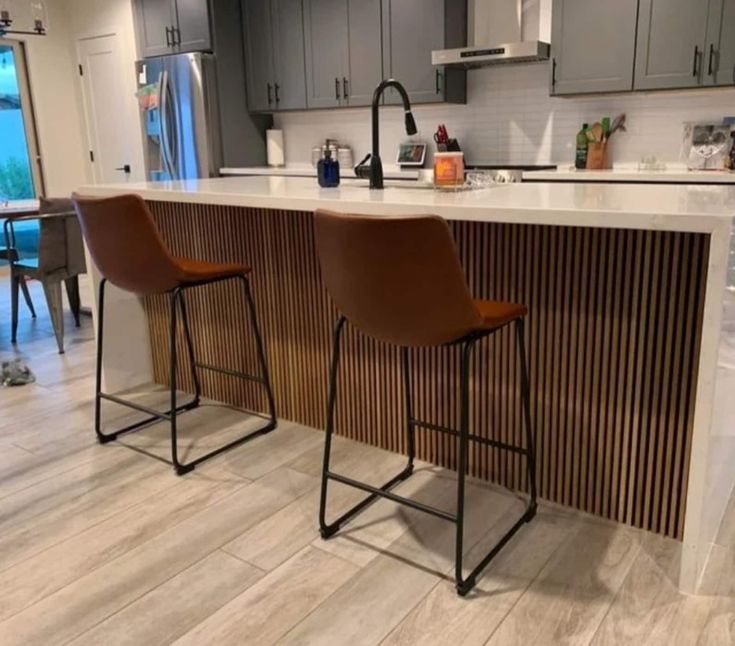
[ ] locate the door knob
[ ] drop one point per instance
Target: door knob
(125, 169)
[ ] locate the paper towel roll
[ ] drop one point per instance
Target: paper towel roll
(274, 147)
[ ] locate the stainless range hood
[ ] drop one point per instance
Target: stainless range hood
(494, 28)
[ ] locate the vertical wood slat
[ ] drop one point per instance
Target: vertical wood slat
(612, 333)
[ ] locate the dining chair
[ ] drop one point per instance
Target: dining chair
(58, 258)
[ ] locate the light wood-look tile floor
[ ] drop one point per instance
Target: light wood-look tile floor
(102, 545)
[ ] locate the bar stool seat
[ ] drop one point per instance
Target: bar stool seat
(496, 314)
(399, 281)
(129, 252)
(194, 271)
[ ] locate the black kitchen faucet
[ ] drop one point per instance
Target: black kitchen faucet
(376, 166)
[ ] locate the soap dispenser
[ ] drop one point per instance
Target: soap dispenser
(328, 170)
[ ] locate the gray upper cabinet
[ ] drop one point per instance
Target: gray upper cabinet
(156, 19)
(671, 44)
(288, 57)
(719, 68)
(412, 29)
(173, 26)
(259, 54)
(593, 60)
(326, 36)
(274, 54)
(365, 66)
(193, 33)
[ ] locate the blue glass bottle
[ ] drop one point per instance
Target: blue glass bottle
(328, 170)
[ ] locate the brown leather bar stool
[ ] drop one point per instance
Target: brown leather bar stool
(399, 280)
(129, 252)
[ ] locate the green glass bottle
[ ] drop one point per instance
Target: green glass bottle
(580, 159)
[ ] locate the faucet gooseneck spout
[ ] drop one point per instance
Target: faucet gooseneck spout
(376, 166)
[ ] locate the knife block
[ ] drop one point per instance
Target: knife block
(597, 155)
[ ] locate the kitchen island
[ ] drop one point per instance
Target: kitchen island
(630, 333)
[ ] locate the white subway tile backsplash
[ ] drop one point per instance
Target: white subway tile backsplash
(511, 119)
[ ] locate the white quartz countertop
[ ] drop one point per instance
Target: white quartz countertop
(616, 206)
(676, 175)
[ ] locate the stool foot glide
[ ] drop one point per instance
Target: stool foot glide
(107, 224)
(415, 262)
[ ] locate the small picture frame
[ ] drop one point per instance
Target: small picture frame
(411, 153)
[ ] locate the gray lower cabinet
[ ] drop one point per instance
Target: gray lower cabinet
(412, 29)
(671, 49)
(586, 59)
(326, 37)
(719, 67)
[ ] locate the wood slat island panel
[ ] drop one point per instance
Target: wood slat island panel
(613, 335)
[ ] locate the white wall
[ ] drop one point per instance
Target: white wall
(51, 68)
(55, 88)
(89, 18)
(511, 119)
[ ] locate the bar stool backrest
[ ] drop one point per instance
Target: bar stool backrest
(125, 244)
(397, 279)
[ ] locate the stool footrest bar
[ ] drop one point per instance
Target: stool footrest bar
(227, 371)
(145, 409)
(333, 527)
(154, 415)
(475, 438)
(384, 493)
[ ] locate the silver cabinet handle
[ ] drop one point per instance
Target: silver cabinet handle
(336, 88)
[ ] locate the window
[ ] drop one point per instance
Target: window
(19, 170)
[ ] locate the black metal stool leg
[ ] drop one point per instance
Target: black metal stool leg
(463, 586)
(410, 426)
(526, 402)
(102, 438)
(263, 364)
(180, 468)
(327, 530)
(466, 584)
(190, 350)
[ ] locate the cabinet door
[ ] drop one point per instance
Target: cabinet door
(365, 52)
(193, 26)
(258, 54)
(671, 44)
(156, 18)
(593, 60)
(288, 56)
(326, 37)
(720, 53)
(412, 30)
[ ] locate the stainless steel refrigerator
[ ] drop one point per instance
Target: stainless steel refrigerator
(195, 117)
(181, 117)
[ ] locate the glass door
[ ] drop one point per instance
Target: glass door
(20, 171)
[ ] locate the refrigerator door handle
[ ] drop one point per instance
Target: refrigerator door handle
(163, 114)
(167, 152)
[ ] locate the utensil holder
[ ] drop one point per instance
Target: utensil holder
(597, 155)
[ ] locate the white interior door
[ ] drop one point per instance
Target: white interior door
(101, 73)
